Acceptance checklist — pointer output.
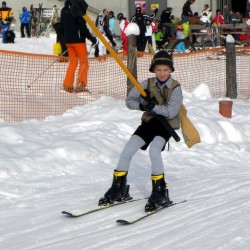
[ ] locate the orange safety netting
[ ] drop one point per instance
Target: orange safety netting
(31, 84)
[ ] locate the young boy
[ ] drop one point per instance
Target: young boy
(180, 39)
(164, 98)
(148, 32)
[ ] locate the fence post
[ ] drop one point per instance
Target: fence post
(231, 80)
(131, 60)
(248, 33)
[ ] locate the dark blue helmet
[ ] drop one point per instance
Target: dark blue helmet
(120, 16)
(138, 9)
(111, 14)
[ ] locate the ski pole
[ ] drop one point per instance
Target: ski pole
(54, 61)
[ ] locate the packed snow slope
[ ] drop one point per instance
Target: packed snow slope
(66, 163)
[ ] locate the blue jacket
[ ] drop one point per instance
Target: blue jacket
(112, 25)
(25, 17)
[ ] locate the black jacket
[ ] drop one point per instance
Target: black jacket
(186, 9)
(74, 29)
(140, 20)
(165, 16)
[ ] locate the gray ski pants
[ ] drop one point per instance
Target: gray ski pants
(133, 145)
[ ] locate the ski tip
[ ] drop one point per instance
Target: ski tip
(67, 213)
(122, 222)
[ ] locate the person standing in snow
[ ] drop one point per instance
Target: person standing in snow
(106, 27)
(99, 21)
(25, 22)
(112, 23)
(149, 32)
(123, 23)
(164, 99)
(180, 36)
(75, 32)
(140, 20)
(6, 13)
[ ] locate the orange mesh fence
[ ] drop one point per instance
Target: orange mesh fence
(31, 84)
(208, 67)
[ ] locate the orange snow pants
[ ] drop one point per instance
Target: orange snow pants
(77, 52)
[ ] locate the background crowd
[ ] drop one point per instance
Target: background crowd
(155, 28)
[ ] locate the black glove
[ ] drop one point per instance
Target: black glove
(150, 104)
(147, 103)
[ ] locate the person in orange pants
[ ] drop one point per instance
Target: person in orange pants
(75, 33)
(77, 52)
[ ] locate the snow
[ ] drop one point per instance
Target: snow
(42, 45)
(66, 163)
(230, 39)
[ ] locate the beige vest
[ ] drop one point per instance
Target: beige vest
(162, 97)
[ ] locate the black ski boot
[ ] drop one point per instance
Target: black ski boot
(159, 196)
(119, 191)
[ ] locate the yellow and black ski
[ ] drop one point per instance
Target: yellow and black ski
(146, 214)
(98, 208)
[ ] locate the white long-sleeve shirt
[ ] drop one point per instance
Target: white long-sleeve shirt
(149, 29)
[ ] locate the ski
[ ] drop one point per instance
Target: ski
(99, 208)
(146, 214)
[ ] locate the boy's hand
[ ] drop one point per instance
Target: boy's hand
(147, 103)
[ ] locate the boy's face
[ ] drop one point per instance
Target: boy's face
(162, 72)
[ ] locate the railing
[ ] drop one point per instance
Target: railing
(217, 31)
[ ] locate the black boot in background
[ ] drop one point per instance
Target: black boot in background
(119, 191)
(159, 196)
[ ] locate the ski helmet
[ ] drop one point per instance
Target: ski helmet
(24, 8)
(111, 14)
(138, 9)
(67, 3)
(4, 3)
(179, 27)
(161, 57)
(120, 16)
